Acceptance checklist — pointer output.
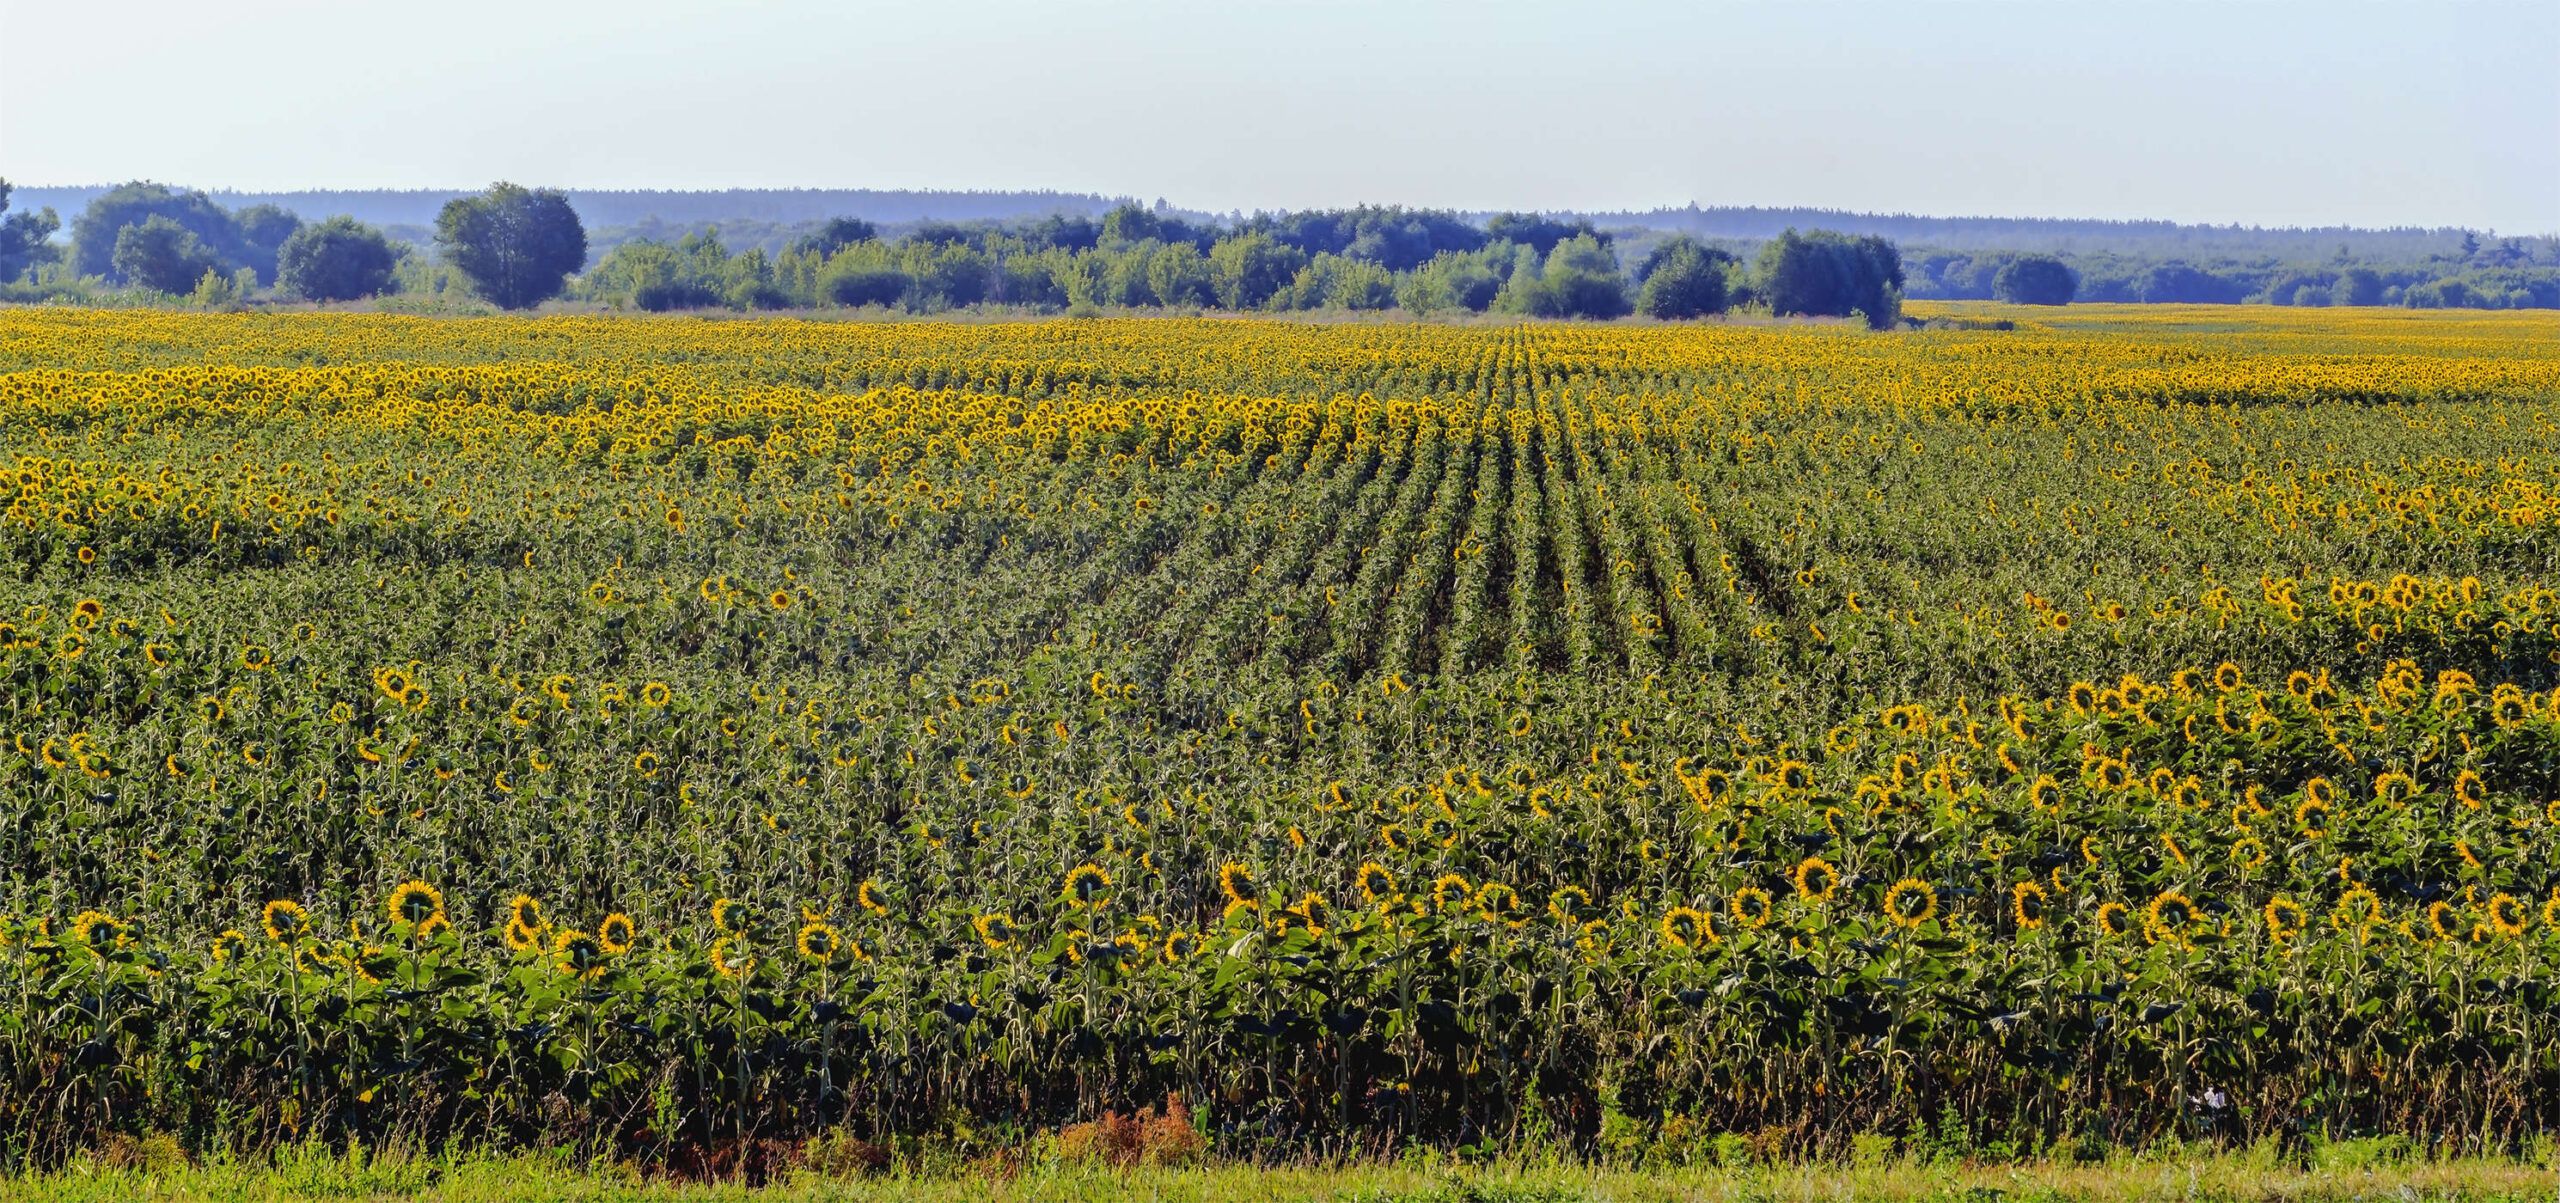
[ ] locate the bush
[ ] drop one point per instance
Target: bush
(2034, 280)
(859, 286)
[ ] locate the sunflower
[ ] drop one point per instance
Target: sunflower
(1497, 903)
(1689, 927)
(417, 904)
(781, 599)
(2468, 787)
(1520, 724)
(2168, 917)
(868, 897)
(2394, 788)
(1815, 880)
(730, 917)
(1178, 947)
(994, 929)
(1236, 882)
(285, 920)
(1910, 902)
(1794, 776)
(1376, 884)
(2114, 919)
(2226, 676)
(616, 934)
(2312, 818)
(1750, 904)
(656, 695)
(1450, 892)
(579, 955)
(1087, 885)
(1569, 903)
(2045, 794)
(730, 960)
(2443, 918)
(99, 930)
(818, 942)
(2027, 905)
(2506, 915)
(2284, 919)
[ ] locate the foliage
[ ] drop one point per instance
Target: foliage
(2034, 280)
(24, 238)
(1831, 274)
(161, 255)
(515, 245)
(340, 259)
(1682, 279)
(1728, 738)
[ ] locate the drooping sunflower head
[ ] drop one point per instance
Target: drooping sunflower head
(99, 931)
(1815, 880)
(870, 898)
(616, 933)
(1569, 904)
(1910, 902)
(285, 921)
(1086, 885)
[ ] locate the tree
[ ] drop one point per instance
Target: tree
(24, 238)
(1579, 279)
(263, 230)
(515, 245)
(1252, 268)
(837, 234)
(1539, 233)
(340, 259)
(2034, 280)
(1682, 279)
(95, 232)
(1830, 274)
(2358, 286)
(161, 255)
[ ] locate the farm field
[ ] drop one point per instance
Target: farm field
(668, 736)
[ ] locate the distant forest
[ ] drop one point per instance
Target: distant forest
(934, 250)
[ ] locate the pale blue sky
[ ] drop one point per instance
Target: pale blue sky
(2260, 111)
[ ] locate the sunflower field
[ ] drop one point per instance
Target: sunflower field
(659, 733)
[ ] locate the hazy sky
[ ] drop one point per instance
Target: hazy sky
(2270, 112)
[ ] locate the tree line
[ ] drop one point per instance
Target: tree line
(517, 247)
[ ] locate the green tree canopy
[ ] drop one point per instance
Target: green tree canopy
(2035, 280)
(94, 234)
(24, 238)
(1683, 279)
(340, 259)
(1830, 274)
(517, 246)
(160, 254)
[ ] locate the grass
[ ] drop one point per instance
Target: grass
(2338, 1172)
